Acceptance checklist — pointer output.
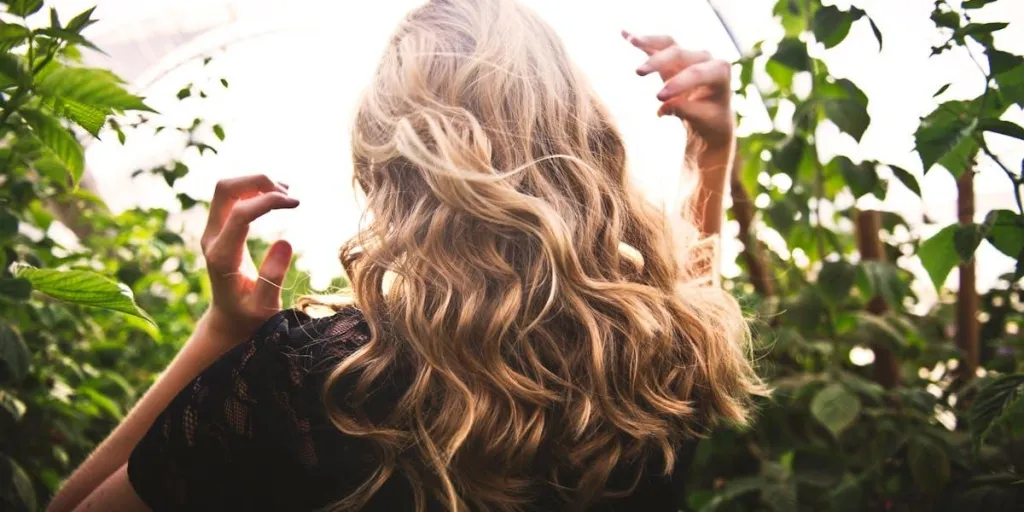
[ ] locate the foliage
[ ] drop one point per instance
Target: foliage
(921, 435)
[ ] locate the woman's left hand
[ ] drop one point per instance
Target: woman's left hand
(243, 298)
(697, 88)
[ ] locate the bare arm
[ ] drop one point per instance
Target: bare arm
(240, 305)
(707, 201)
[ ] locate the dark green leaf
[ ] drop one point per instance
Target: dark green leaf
(12, 35)
(882, 279)
(975, 4)
(788, 155)
(14, 355)
(878, 33)
(19, 289)
(54, 18)
(58, 140)
(185, 92)
(80, 22)
(1002, 127)
(16, 486)
(938, 255)
(941, 90)
(90, 86)
(1006, 232)
(1008, 71)
(990, 404)
(224, 82)
(831, 25)
(862, 178)
(14, 67)
(82, 287)
(981, 31)
(835, 408)
(929, 464)
(946, 19)
(792, 53)
(946, 137)
(8, 225)
(23, 7)
(218, 130)
(907, 179)
(966, 240)
(846, 105)
(836, 279)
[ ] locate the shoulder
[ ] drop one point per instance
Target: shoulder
(308, 343)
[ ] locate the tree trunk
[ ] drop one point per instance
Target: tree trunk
(868, 223)
(743, 209)
(967, 295)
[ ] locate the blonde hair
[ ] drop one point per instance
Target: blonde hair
(498, 195)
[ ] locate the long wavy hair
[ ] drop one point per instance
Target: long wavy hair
(492, 272)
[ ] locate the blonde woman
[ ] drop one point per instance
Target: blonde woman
(527, 334)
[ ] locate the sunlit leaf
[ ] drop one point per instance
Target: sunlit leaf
(23, 7)
(58, 140)
(90, 86)
(835, 408)
(82, 287)
(88, 117)
(938, 255)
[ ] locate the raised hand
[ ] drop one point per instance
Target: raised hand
(243, 298)
(697, 87)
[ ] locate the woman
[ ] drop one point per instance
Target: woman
(529, 335)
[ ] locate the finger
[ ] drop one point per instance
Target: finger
(649, 44)
(672, 60)
(714, 74)
(230, 190)
(272, 273)
(227, 248)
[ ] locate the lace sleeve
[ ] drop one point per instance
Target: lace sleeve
(243, 435)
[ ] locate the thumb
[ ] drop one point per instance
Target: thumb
(267, 293)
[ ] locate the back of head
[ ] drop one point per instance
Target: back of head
(490, 270)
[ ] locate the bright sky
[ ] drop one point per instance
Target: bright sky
(295, 75)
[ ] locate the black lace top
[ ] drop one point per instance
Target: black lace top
(251, 433)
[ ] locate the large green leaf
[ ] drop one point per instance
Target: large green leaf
(1008, 71)
(88, 117)
(846, 105)
(1006, 232)
(836, 408)
(994, 400)
(12, 35)
(792, 53)
(946, 137)
(23, 7)
(862, 178)
(938, 255)
(58, 140)
(831, 25)
(95, 87)
(14, 356)
(929, 464)
(82, 287)
(1002, 127)
(966, 240)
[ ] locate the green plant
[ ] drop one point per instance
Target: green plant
(915, 430)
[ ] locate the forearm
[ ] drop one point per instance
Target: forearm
(707, 202)
(210, 340)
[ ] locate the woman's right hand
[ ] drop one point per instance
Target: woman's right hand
(243, 298)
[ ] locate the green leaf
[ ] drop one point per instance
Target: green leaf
(91, 119)
(102, 401)
(18, 289)
(831, 25)
(14, 407)
(218, 130)
(876, 31)
(929, 465)
(846, 105)
(12, 35)
(991, 403)
(835, 408)
(23, 7)
(95, 87)
(836, 279)
(975, 4)
(966, 240)
(938, 255)
(1008, 71)
(1002, 127)
(908, 180)
(14, 67)
(185, 92)
(224, 82)
(791, 17)
(14, 355)
(8, 225)
(862, 178)
(83, 287)
(792, 53)
(941, 90)
(787, 156)
(946, 137)
(882, 279)
(1006, 232)
(59, 140)
(54, 18)
(946, 19)
(16, 485)
(80, 22)
(982, 32)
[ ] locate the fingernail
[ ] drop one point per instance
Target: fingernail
(643, 70)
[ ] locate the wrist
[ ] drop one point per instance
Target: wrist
(221, 327)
